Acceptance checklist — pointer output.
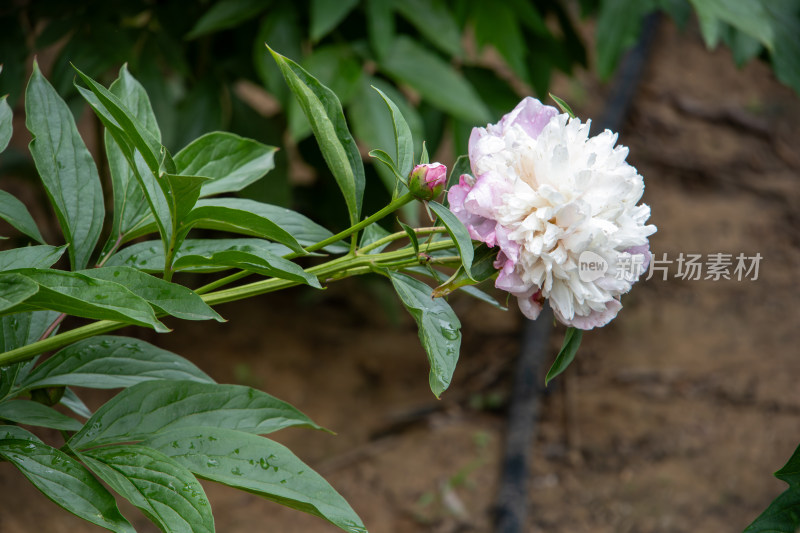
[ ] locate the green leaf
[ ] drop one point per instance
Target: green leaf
(387, 160)
(23, 328)
(783, 514)
(148, 256)
(334, 67)
(498, 24)
(17, 433)
(380, 25)
(255, 260)
(16, 214)
(141, 166)
(15, 289)
(6, 123)
(35, 414)
(65, 481)
(439, 328)
(66, 167)
(458, 232)
(281, 29)
(226, 14)
(303, 229)
(434, 21)
(786, 25)
(461, 166)
(404, 143)
(71, 401)
(412, 236)
(136, 133)
(372, 233)
(619, 23)
(324, 112)
(171, 298)
(167, 493)
(563, 105)
(326, 15)
(410, 63)
(80, 295)
(42, 256)
(753, 17)
(225, 217)
(110, 362)
(130, 204)
(572, 340)
(258, 465)
(232, 162)
(482, 270)
(154, 406)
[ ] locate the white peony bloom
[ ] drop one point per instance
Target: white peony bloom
(562, 207)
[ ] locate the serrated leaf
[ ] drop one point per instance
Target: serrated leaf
(66, 168)
(783, 514)
(439, 328)
(324, 112)
(79, 295)
(65, 481)
(148, 256)
(225, 14)
(171, 298)
(6, 122)
(434, 21)
(42, 256)
(153, 406)
(229, 161)
(410, 63)
(110, 362)
(458, 232)
(252, 260)
(572, 341)
(15, 289)
(326, 15)
(36, 414)
(258, 465)
(16, 214)
(167, 493)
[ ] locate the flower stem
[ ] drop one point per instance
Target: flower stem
(349, 265)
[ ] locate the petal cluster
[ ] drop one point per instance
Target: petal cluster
(562, 208)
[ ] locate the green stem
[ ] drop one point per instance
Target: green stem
(395, 204)
(399, 235)
(223, 281)
(324, 271)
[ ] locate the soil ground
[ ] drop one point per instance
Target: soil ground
(671, 420)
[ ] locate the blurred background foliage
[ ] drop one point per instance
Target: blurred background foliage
(450, 65)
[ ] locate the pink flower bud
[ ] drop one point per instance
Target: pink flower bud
(427, 181)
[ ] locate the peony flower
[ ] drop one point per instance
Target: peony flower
(562, 208)
(427, 181)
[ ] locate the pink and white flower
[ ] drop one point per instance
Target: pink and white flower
(545, 192)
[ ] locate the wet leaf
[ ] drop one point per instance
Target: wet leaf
(258, 465)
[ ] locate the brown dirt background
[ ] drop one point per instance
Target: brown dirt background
(672, 419)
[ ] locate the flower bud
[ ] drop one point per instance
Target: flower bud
(427, 181)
